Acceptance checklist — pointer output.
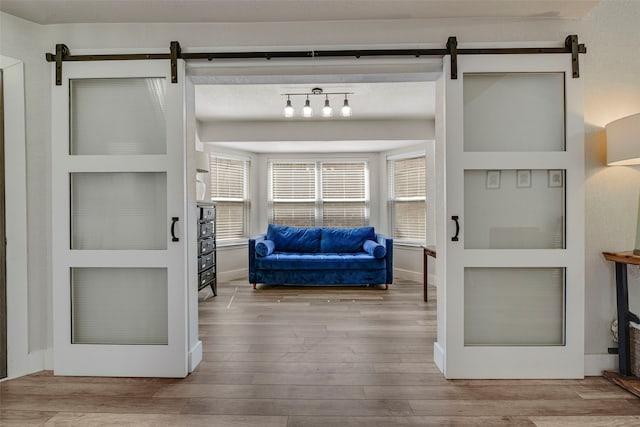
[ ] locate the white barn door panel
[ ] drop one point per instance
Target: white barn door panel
(513, 293)
(118, 220)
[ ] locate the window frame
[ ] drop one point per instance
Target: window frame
(245, 200)
(318, 199)
(392, 200)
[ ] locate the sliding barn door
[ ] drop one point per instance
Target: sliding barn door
(513, 257)
(118, 220)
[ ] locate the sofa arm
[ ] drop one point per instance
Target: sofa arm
(387, 242)
(252, 256)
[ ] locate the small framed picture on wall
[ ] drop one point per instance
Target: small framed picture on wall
(556, 178)
(523, 178)
(493, 180)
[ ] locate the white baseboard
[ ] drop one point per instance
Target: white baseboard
(414, 276)
(438, 356)
(594, 364)
(195, 356)
(35, 361)
(227, 276)
(48, 359)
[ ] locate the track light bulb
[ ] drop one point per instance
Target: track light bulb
(288, 110)
(345, 111)
(326, 110)
(307, 111)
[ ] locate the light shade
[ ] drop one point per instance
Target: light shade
(326, 110)
(288, 110)
(306, 110)
(202, 162)
(623, 141)
(346, 111)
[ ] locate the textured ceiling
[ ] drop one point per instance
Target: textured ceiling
(93, 11)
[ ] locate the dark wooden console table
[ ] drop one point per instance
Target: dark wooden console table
(428, 251)
(623, 377)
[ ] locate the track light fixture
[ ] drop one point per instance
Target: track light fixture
(307, 110)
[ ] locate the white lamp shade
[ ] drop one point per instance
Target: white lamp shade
(623, 141)
(202, 162)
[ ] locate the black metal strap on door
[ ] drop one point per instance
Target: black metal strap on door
(571, 46)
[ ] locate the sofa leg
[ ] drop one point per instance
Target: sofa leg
(254, 285)
(386, 287)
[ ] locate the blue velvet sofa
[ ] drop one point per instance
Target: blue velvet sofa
(331, 256)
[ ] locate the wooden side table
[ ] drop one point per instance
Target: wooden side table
(623, 376)
(428, 251)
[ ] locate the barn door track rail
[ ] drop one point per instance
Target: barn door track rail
(571, 46)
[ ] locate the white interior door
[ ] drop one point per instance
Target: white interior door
(512, 295)
(118, 220)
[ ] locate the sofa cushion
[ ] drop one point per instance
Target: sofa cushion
(293, 239)
(332, 261)
(343, 240)
(265, 247)
(374, 248)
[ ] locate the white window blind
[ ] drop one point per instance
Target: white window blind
(321, 194)
(293, 194)
(344, 194)
(230, 193)
(407, 199)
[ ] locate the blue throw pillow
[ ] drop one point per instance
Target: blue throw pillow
(374, 248)
(265, 247)
(345, 240)
(293, 239)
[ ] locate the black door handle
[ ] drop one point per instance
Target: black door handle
(173, 229)
(455, 238)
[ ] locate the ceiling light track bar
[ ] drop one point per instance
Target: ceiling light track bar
(316, 94)
(571, 46)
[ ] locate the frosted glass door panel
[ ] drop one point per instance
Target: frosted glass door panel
(128, 119)
(514, 112)
(514, 209)
(119, 306)
(513, 306)
(112, 210)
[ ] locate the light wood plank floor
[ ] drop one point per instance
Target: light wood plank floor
(315, 357)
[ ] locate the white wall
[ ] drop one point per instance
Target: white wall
(610, 71)
(612, 91)
(23, 41)
(358, 130)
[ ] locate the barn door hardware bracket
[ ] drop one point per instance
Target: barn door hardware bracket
(452, 49)
(62, 51)
(176, 52)
(571, 43)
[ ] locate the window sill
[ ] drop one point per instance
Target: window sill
(408, 245)
(231, 244)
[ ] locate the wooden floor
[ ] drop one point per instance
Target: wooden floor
(315, 357)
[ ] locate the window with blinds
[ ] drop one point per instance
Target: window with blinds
(293, 194)
(320, 194)
(407, 199)
(230, 193)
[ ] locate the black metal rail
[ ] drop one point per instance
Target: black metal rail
(571, 46)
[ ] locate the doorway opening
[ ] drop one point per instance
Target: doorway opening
(239, 114)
